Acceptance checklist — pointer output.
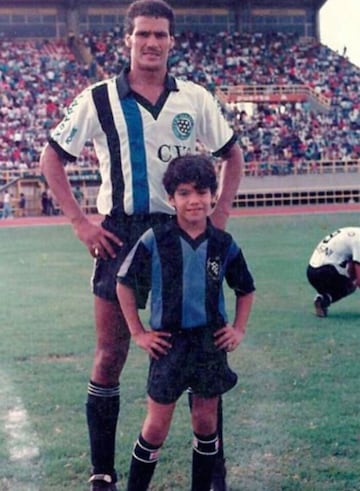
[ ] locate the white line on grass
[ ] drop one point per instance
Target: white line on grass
(21, 441)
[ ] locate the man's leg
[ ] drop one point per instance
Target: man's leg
(103, 404)
(330, 285)
(218, 482)
(205, 444)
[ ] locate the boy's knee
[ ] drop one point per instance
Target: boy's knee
(204, 416)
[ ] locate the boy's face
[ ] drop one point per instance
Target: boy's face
(192, 205)
(149, 43)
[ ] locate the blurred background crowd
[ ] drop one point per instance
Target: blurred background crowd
(38, 79)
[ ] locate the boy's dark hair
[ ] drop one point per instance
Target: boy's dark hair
(149, 8)
(197, 169)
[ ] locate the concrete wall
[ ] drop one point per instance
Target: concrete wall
(308, 181)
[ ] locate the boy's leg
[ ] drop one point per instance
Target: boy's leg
(146, 450)
(218, 482)
(205, 446)
(142, 466)
(103, 401)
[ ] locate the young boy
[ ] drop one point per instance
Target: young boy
(189, 333)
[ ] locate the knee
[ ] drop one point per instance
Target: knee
(157, 422)
(204, 421)
(107, 355)
(204, 426)
(109, 361)
(154, 433)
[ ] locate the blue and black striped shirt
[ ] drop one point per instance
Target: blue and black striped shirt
(187, 275)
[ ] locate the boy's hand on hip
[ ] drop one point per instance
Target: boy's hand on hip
(155, 343)
(228, 338)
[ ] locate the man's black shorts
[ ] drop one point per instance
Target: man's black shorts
(193, 361)
(128, 228)
(327, 280)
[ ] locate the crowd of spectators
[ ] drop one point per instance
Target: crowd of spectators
(39, 79)
(36, 81)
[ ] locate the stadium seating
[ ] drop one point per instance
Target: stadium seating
(294, 102)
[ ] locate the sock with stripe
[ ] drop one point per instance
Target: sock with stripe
(143, 463)
(219, 468)
(205, 449)
(102, 411)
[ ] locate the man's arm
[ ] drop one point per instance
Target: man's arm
(96, 238)
(356, 275)
(231, 173)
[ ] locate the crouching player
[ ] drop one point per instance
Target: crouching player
(334, 268)
(189, 335)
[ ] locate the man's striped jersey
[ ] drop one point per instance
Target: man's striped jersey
(134, 141)
(187, 275)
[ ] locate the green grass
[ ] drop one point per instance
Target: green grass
(292, 422)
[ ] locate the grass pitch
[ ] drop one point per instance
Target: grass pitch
(292, 422)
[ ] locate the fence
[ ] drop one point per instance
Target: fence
(264, 184)
(301, 167)
(296, 196)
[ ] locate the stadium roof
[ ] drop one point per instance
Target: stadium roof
(317, 4)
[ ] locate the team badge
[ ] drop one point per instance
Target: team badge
(213, 268)
(70, 138)
(182, 126)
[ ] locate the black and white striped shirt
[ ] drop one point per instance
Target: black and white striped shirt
(134, 141)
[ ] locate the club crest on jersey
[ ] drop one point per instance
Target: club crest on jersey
(70, 138)
(182, 125)
(213, 268)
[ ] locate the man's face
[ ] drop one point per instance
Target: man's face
(149, 43)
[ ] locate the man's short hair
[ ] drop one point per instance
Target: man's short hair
(149, 8)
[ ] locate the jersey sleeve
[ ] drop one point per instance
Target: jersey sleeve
(137, 263)
(213, 129)
(77, 127)
(237, 273)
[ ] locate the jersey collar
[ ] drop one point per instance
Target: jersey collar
(124, 88)
(208, 232)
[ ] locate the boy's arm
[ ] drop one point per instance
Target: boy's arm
(153, 342)
(242, 313)
(229, 337)
(126, 297)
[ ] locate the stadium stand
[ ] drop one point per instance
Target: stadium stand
(293, 101)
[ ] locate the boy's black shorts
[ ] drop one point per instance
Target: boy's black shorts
(193, 361)
(128, 228)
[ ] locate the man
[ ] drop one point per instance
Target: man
(334, 268)
(138, 122)
(7, 209)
